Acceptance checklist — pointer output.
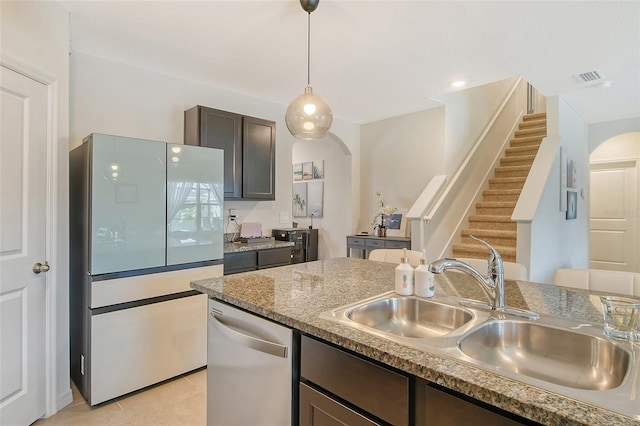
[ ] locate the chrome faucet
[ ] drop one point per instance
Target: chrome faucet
(492, 285)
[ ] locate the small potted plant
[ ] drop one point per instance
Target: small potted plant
(378, 219)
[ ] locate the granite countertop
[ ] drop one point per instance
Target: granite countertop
(296, 295)
(240, 247)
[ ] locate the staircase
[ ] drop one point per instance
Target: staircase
(492, 221)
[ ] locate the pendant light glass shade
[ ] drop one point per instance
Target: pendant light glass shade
(309, 116)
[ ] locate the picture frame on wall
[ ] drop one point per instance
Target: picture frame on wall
(318, 169)
(299, 203)
(572, 205)
(568, 180)
(563, 180)
(297, 171)
(307, 170)
(315, 194)
(571, 173)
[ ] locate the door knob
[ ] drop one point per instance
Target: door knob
(41, 267)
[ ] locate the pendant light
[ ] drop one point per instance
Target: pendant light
(309, 116)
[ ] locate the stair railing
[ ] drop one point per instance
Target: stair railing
(532, 99)
(442, 209)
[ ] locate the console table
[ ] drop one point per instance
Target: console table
(366, 243)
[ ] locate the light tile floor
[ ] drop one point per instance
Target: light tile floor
(178, 402)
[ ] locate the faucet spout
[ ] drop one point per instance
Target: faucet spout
(492, 284)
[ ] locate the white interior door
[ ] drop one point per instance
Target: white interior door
(614, 230)
(23, 198)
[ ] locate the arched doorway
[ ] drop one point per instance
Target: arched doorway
(333, 157)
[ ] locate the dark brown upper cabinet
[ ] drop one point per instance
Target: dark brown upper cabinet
(249, 146)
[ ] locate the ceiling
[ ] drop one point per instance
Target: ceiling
(376, 59)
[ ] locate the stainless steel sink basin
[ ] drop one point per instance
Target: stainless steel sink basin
(409, 320)
(555, 355)
(562, 355)
(410, 316)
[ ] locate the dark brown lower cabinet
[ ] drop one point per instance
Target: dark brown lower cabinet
(354, 385)
(240, 262)
(435, 407)
(274, 257)
(317, 409)
(256, 259)
(338, 387)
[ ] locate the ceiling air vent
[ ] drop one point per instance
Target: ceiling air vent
(590, 77)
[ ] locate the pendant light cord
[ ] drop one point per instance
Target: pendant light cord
(309, 49)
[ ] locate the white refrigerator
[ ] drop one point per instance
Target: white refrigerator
(146, 218)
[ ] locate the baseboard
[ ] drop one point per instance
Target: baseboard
(64, 399)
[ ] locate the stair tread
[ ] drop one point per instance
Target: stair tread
(517, 159)
(531, 125)
(496, 204)
(519, 156)
(489, 218)
(542, 121)
(501, 191)
(522, 150)
(516, 179)
(479, 247)
(498, 233)
(512, 168)
(519, 139)
(534, 116)
(527, 130)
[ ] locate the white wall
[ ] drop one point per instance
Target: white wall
(626, 145)
(36, 35)
(555, 241)
(115, 98)
(467, 114)
(400, 155)
(600, 132)
(398, 158)
(332, 227)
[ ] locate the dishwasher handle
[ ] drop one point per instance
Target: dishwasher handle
(248, 341)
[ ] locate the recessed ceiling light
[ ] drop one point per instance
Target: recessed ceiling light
(458, 83)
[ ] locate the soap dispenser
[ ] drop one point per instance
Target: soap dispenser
(424, 279)
(404, 276)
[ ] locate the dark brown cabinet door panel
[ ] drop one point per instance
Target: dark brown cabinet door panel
(223, 129)
(249, 149)
(259, 149)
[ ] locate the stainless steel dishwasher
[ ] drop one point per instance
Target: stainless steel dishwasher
(249, 369)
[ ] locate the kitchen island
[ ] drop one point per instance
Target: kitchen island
(297, 295)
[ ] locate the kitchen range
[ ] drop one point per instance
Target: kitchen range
(305, 248)
(330, 307)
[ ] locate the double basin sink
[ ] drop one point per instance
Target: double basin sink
(557, 354)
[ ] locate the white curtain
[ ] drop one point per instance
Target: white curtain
(216, 188)
(176, 196)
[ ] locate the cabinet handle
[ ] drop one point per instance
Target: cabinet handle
(248, 341)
